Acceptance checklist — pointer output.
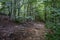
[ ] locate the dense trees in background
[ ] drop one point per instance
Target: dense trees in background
(24, 9)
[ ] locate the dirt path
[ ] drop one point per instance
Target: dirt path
(26, 31)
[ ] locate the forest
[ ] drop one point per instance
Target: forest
(29, 19)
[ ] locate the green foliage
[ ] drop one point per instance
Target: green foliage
(53, 21)
(2, 6)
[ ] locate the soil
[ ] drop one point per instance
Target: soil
(10, 30)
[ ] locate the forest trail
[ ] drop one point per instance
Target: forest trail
(25, 31)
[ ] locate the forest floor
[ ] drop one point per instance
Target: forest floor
(26, 31)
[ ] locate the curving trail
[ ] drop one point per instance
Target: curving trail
(25, 31)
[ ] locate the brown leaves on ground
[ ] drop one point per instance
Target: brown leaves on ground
(26, 31)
